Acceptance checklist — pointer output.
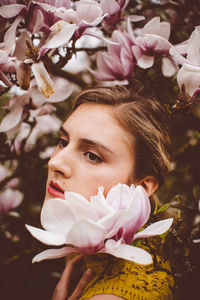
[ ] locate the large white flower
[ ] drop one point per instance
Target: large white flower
(100, 225)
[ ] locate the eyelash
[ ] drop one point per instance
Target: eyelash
(62, 142)
(94, 159)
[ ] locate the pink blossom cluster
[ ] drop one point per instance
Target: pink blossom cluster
(43, 36)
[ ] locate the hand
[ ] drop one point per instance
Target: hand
(62, 289)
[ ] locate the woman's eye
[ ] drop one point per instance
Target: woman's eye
(93, 157)
(62, 142)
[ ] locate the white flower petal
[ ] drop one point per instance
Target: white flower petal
(113, 222)
(57, 216)
(61, 34)
(12, 119)
(53, 253)
(145, 61)
(46, 237)
(85, 234)
(168, 67)
(80, 207)
(10, 35)
(156, 228)
(11, 10)
(128, 252)
(189, 76)
(44, 81)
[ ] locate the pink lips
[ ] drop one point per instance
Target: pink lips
(55, 190)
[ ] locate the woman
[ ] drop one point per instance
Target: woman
(112, 136)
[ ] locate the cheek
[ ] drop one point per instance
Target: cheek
(109, 178)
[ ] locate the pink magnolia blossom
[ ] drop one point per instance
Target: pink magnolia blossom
(118, 62)
(101, 225)
(189, 73)
(152, 39)
(9, 199)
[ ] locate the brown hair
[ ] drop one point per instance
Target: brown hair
(145, 120)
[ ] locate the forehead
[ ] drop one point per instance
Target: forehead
(97, 121)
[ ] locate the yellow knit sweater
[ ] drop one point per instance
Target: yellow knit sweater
(130, 280)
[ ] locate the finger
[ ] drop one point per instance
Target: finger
(85, 279)
(61, 290)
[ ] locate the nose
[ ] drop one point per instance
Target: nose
(60, 163)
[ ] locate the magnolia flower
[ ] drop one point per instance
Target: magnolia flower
(118, 62)
(101, 225)
(152, 39)
(34, 16)
(10, 199)
(189, 74)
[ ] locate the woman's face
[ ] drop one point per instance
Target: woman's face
(93, 151)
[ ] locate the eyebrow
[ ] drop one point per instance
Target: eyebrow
(87, 141)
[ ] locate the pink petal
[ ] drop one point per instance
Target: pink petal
(61, 34)
(46, 237)
(113, 222)
(127, 62)
(106, 62)
(161, 44)
(44, 81)
(53, 253)
(85, 234)
(119, 196)
(128, 252)
(177, 57)
(100, 204)
(156, 228)
(168, 67)
(10, 35)
(136, 18)
(189, 76)
(12, 119)
(193, 48)
(57, 216)
(145, 61)
(88, 10)
(81, 207)
(156, 27)
(10, 199)
(140, 208)
(10, 11)
(21, 46)
(102, 76)
(123, 3)
(111, 7)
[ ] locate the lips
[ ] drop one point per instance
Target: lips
(55, 190)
